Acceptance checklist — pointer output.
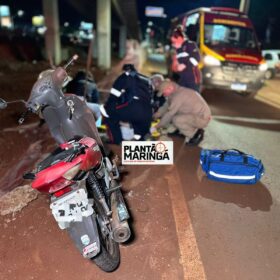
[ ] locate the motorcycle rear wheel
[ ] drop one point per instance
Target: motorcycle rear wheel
(109, 257)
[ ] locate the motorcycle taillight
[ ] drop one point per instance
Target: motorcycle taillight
(63, 191)
(59, 184)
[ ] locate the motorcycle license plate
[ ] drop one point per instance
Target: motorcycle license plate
(239, 87)
(72, 207)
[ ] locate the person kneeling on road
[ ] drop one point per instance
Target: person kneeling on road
(129, 101)
(186, 110)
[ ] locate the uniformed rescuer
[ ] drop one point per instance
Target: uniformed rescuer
(186, 110)
(187, 60)
(129, 101)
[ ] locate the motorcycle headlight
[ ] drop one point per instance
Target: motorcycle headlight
(211, 60)
(263, 67)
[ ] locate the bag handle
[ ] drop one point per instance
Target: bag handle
(245, 160)
(235, 150)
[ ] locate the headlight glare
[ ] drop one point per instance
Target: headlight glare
(211, 61)
(263, 67)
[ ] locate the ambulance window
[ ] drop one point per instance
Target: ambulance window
(227, 35)
(268, 56)
(219, 33)
(192, 27)
(279, 56)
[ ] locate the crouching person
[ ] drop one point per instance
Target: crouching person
(186, 110)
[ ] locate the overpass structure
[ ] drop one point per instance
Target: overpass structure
(110, 17)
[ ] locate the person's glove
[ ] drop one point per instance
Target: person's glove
(153, 129)
(103, 111)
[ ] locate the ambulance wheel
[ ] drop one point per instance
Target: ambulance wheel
(269, 74)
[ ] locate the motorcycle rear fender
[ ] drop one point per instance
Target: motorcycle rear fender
(85, 236)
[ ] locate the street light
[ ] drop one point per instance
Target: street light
(20, 13)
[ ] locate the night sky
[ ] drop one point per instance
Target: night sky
(261, 11)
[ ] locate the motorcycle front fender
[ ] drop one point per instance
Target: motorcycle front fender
(85, 235)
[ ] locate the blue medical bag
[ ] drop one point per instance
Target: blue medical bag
(231, 166)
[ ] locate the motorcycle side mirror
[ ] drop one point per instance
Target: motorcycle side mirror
(3, 104)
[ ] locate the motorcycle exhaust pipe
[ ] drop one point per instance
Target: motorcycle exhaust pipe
(120, 228)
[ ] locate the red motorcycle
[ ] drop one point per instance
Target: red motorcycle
(86, 199)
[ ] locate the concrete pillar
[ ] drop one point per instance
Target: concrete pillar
(52, 37)
(244, 6)
(104, 33)
(95, 47)
(122, 41)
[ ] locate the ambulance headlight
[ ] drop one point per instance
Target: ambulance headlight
(263, 67)
(211, 61)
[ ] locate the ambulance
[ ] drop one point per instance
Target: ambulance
(231, 54)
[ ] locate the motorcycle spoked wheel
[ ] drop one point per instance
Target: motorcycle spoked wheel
(109, 257)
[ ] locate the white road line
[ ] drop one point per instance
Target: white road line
(271, 98)
(251, 120)
(189, 253)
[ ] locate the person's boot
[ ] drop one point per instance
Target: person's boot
(197, 138)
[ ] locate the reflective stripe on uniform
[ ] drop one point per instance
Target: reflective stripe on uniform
(193, 61)
(182, 54)
(115, 92)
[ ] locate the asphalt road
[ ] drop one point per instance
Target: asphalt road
(185, 226)
(236, 227)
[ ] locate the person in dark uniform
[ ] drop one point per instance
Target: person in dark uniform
(187, 60)
(129, 101)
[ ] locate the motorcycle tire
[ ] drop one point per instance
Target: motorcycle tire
(109, 257)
